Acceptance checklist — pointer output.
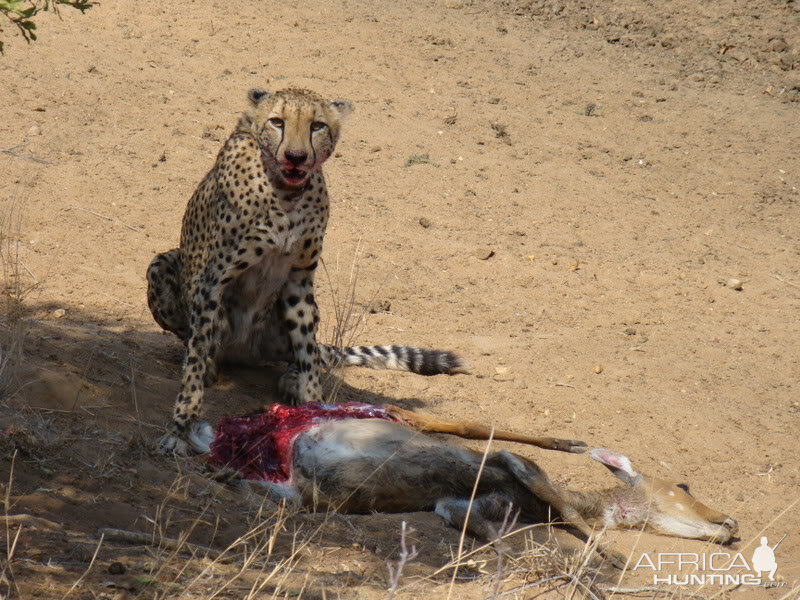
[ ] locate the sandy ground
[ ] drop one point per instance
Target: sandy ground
(560, 192)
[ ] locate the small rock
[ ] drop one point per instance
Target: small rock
(502, 374)
(380, 306)
(734, 284)
(59, 313)
(629, 331)
(81, 552)
(483, 253)
(35, 130)
(117, 568)
(376, 149)
(598, 369)
(777, 44)
(425, 222)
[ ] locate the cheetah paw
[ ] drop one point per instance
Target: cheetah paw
(289, 388)
(197, 441)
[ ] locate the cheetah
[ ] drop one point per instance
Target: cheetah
(240, 288)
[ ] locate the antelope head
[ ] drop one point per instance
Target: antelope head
(662, 506)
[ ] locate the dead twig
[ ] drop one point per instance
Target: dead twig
(536, 583)
(469, 510)
(12, 152)
(86, 572)
(140, 537)
(648, 589)
(107, 218)
(29, 520)
(406, 555)
(781, 279)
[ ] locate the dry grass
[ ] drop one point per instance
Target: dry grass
(349, 316)
(17, 283)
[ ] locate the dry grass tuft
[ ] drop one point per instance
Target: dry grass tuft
(17, 283)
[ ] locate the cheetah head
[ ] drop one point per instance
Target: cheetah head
(297, 131)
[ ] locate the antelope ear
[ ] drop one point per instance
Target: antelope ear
(342, 107)
(618, 464)
(256, 95)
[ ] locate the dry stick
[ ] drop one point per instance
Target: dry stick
(140, 537)
(30, 519)
(507, 525)
(648, 589)
(779, 278)
(86, 572)
(107, 218)
(406, 555)
(16, 155)
(791, 593)
(466, 518)
(536, 583)
(10, 546)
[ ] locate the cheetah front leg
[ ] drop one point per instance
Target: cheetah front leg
(303, 381)
(204, 334)
(207, 328)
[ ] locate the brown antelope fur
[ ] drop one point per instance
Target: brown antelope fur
(366, 465)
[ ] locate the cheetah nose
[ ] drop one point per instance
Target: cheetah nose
(296, 157)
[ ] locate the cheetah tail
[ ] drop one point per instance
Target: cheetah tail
(421, 361)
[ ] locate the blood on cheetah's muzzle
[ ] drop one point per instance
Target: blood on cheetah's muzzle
(294, 177)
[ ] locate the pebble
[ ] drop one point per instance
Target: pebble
(598, 369)
(35, 130)
(502, 374)
(59, 313)
(380, 306)
(483, 253)
(734, 284)
(117, 568)
(424, 222)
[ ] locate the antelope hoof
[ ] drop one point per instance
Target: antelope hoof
(573, 446)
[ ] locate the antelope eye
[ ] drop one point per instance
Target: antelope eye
(684, 487)
(318, 126)
(276, 122)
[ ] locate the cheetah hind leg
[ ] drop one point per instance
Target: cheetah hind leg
(164, 293)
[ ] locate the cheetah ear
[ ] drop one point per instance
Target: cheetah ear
(256, 95)
(342, 107)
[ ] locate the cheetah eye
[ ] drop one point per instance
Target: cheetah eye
(276, 123)
(684, 487)
(318, 126)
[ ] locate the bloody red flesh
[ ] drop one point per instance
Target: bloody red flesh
(260, 447)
